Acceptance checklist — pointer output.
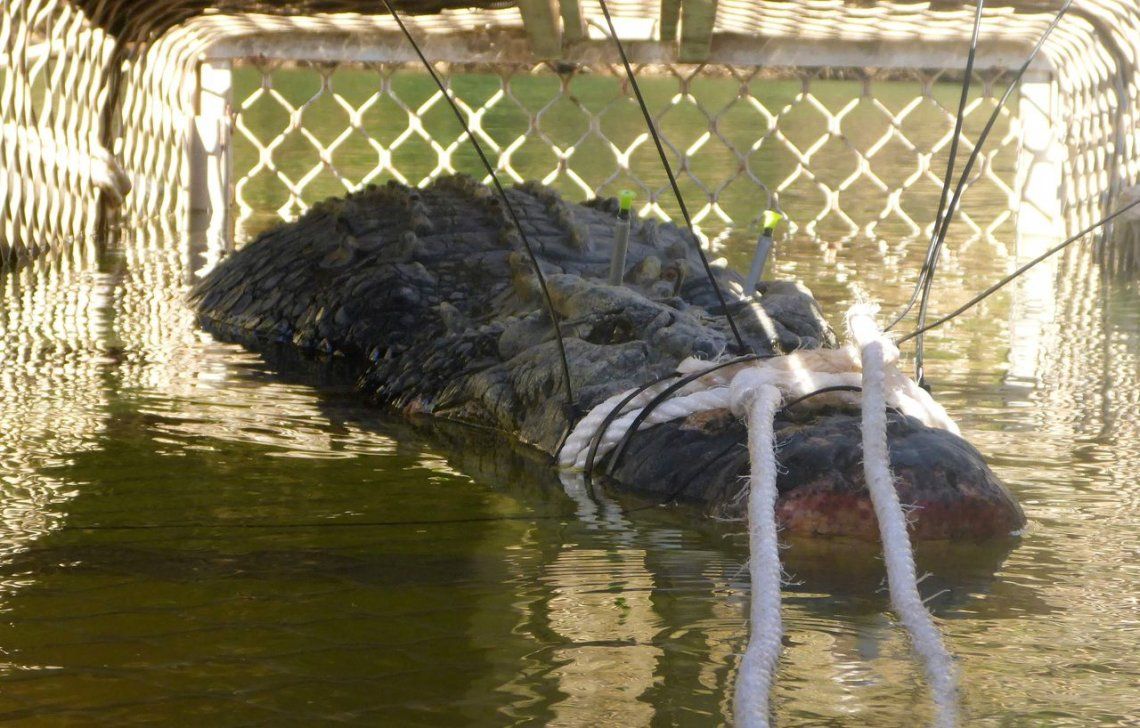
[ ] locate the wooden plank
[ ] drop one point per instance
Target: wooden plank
(573, 22)
(540, 18)
(505, 46)
(697, 20)
(670, 15)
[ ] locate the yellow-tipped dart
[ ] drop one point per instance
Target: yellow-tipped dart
(625, 201)
(621, 237)
(768, 222)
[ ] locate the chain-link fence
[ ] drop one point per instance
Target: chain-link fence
(843, 151)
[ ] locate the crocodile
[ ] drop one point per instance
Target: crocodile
(431, 295)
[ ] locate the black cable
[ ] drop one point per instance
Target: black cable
(959, 121)
(959, 189)
(672, 495)
(302, 525)
(616, 411)
(619, 450)
(961, 186)
(669, 173)
(932, 251)
(571, 403)
(291, 526)
(596, 439)
(992, 289)
(680, 488)
(440, 521)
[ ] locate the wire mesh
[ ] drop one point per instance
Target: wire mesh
(842, 150)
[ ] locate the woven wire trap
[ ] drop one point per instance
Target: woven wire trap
(59, 72)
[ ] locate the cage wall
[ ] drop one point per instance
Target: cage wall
(114, 111)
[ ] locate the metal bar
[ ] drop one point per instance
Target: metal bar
(210, 158)
(734, 50)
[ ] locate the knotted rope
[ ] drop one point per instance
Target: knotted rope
(797, 374)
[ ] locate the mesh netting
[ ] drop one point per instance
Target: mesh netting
(102, 112)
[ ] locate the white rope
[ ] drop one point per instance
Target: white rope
(575, 449)
(897, 553)
(578, 442)
(667, 411)
(759, 401)
(796, 374)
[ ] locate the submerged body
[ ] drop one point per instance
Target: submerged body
(430, 292)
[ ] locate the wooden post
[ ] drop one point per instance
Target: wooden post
(573, 22)
(670, 14)
(697, 20)
(210, 158)
(541, 21)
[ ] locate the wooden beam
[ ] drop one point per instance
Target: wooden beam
(573, 22)
(670, 14)
(511, 45)
(540, 18)
(697, 20)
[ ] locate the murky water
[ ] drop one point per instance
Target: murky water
(191, 534)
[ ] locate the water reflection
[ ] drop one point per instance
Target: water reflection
(54, 354)
(600, 606)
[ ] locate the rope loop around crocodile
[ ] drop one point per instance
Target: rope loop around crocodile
(863, 373)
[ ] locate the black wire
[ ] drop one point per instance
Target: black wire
(664, 395)
(295, 525)
(669, 173)
(992, 289)
(448, 521)
(672, 495)
(959, 189)
(932, 251)
(632, 430)
(596, 439)
(680, 488)
(241, 526)
(571, 403)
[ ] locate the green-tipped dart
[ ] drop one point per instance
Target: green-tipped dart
(621, 237)
(768, 222)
